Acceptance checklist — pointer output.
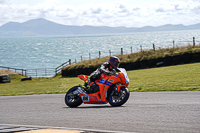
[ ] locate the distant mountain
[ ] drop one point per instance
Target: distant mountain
(42, 27)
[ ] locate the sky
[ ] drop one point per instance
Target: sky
(113, 13)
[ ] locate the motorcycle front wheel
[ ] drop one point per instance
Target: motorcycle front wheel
(71, 99)
(119, 99)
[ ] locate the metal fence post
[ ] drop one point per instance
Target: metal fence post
(154, 47)
(99, 54)
(45, 72)
(193, 41)
(69, 61)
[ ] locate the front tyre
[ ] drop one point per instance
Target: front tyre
(120, 99)
(73, 100)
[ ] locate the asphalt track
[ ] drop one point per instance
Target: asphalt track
(145, 112)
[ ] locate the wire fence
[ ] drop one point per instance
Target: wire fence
(40, 72)
(59, 68)
(122, 51)
(17, 70)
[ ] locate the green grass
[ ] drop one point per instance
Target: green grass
(37, 86)
(172, 78)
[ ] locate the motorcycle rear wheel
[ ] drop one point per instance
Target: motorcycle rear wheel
(118, 100)
(71, 99)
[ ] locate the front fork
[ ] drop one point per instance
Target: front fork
(118, 87)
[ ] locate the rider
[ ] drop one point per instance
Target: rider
(108, 68)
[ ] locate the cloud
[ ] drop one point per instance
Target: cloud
(116, 14)
(2, 1)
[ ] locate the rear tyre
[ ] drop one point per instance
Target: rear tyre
(120, 99)
(73, 100)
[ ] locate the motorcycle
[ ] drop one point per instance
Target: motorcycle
(110, 89)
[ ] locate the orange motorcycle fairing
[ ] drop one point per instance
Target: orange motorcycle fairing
(104, 84)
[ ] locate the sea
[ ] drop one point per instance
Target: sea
(52, 51)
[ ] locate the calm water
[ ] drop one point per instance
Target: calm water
(50, 52)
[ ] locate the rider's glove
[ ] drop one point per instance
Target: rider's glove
(113, 72)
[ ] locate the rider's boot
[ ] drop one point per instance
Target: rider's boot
(87, 82)
(86, 85)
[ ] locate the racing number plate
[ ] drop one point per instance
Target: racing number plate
(85, 98)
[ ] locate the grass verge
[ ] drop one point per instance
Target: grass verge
(171, 78)
(37, 86)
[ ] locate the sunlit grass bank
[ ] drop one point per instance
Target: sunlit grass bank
(139, 56)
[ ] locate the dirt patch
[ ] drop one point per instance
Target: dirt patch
(4, 72)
